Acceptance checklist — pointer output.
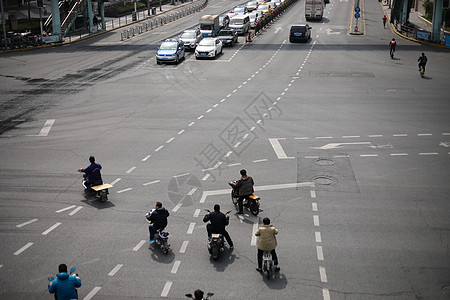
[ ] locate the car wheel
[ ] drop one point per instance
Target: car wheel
(158, 62)
(221, 50)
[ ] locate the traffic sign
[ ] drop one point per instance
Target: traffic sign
(357, 9)
(357, 15)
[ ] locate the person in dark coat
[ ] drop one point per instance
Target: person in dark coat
(217, 224)
(244, 187)
(157, 218)
(93, 174)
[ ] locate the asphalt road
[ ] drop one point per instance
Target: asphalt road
(348, 149)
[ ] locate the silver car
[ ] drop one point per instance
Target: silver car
(191, 38)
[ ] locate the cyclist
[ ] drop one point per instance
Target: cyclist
(392, 45)
(422, 62)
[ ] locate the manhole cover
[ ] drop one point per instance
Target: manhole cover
(324, 180)
(446, 289)
(324, 162)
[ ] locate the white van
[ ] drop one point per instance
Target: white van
(240, 23)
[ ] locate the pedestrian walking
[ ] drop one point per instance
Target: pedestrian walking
(384, 21)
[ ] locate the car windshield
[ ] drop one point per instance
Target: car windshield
(236, 22)
(206, 42)
(188, 35)
(168, 46)
(224, 33)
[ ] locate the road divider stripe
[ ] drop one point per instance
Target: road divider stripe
(316, 220)
(169, 140)
(114, 271)
(190, 124)
(319, 252)
(139, 245)
(166, 289)
(197, 213)
(26, 223)
(92, 293)
(233, 165)
(177, 207)
(151, 182)
(184, 246)
(23, 248)
(66, 208)
(255, 228)
(313, 194)
(192, 191)
(75, 210)
(181, 175)
(180, 132)
(116, 181)
(318, 237)
(51, 228)
(125, 190)
(159, 148)
(260, 160)
(314, 206)
(175, 267)
(323, 274)
(399, 154)
(326, 294)
(131, 170)
(47, 127)
(206, 176)
(147, 157)
(428, 153)
(191, 228)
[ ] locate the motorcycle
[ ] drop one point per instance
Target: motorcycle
(71, 273)
(216, 243)
(267, 264)
(190, 296)
(98, 188)
(161, 238)
(251, 203)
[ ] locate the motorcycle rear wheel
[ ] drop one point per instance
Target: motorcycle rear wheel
(254, 208)
(215, 252)
(234, 199)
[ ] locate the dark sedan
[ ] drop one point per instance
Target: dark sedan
(229, 37)
(301, 32)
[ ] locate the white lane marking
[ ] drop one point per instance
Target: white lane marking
(234, 91)
(114, 271)
(228, 153)
(191, 228)
(46, 128)
(206, 176)
(319, 252)
(253, 128)
(75, 210)
(125, 190)
(255, 228)
(200, 117)
(169, 140)
(209, 110)
(197, 213)
(181, 175)
(159, 148)
(147, 157)
(237, 144)
(316, 220)
(278, 149)
(215, 105)
(313, 194)
(338, 145)
(115, 181)
(92, 293)
(175, 267)
(177, 207)
(151, 182)
(67, 208)
(190, 124)
(184, 246)
(428, 153)
(130, 170)
(400, 134)
(139, 245)
(323, 274)
(350, 136)
(326, 292)
(311, 157)
(166, 289)
(245, 136)
(424, 134)
(235, 164)
(302, 138)
(376, 135)
(51, 228)
(314, 206)
(318, 237)
(324, 137)
(399, 154)
(192, 191)
(228, 96)
(368, 155)
(181, 131)
(23, 248)
(446, 133)
(260, 160)
(26, 223)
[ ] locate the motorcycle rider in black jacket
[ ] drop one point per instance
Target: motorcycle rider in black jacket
(217, 224)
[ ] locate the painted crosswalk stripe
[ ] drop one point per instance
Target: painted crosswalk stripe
(23, 248)
(114, 271)
(26, 223)
(92, 293)
(51, 228)
(166, 289)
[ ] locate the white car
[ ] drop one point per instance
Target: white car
(208, 48)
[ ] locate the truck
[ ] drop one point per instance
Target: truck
(209, 25)
(314, 9)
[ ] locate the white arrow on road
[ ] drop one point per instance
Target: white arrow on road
(330, 33)
(337, 145)
(278, 29)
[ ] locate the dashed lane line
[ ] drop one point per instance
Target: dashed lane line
(26, 223)
(28, 245)
(124, 190)
(92, 293)
(139, 245)
(115, 270)
(151, 182)
(177, 207)
(116, 181)
(131, 170)
(175, 267)
(191, 228)
(166, 289)
(255, 228)
(66, 208)
(75, 210)
(51, 228)
(196, 213)
(323, 274)
(184, 246)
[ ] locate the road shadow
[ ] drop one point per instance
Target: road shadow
(95, 202)
(158, 255)
(278, 281)
(226, 258)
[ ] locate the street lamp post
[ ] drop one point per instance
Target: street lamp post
(4, 25)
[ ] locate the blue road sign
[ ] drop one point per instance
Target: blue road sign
(357, 15)
(357, 9)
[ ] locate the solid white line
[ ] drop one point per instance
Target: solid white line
(314, 206)
(26, 223)
(316, 220)
(169, 140)
(318, 237)
(197, 213)
(114, 271)
(428, 153)
(23, 248)
(184, 246)
(368, 155)
(166, 289)
(278, 149)
(255, 228)
(92, 293)
(326, 294)
(313, 194)
(115, 181)
(206, 176)
(152, 182)
(319, 252)
(399, 154)
(125, 190)
(175, 267)
(75, 210)
(236, 164)
(181, 175)
(51, 228)
(46, 128)
(190, 124)
(191, 228)
(200, 117)
(260, 160)
(181, 131)
(191, 192)
(139, 245)
(323, 274)
(67, 208)
(177, 207)
(400, 134)
(424, 134)
(159, 148)
(130, 170)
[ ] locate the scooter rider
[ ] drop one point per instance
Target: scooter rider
(217, 224)
(422, 61)
(158, 219)
(64, 286)
(94, 177)
(267, 242)
(244, 187)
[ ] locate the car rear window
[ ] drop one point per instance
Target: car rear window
(298, 29)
